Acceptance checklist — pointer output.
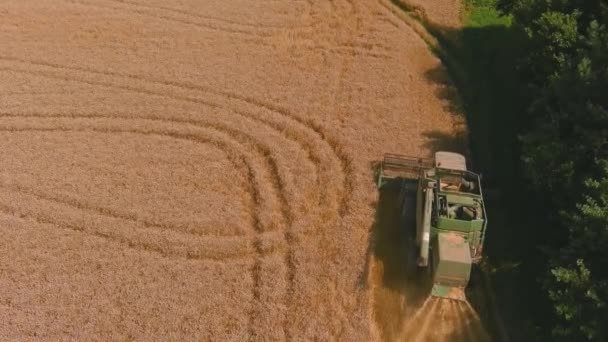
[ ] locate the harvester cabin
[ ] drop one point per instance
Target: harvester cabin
(459, 205)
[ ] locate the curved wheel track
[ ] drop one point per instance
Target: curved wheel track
(291, 128)
(288, 123)
(133, 241)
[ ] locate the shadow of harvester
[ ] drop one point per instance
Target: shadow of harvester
(400, 288)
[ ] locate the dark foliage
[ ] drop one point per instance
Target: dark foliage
(564, 151)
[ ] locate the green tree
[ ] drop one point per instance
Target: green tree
(565, 152)
(569, 113)
(578, 283)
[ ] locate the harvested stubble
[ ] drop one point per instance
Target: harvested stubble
(201, 169)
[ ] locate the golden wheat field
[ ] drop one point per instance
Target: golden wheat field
(203, 170)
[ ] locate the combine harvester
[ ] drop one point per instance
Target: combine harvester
(450, 216)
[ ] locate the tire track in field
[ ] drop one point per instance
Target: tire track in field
(260, 253)
(267, 151)
(340, 13)
(362, 13)
(235, 135)
(142, 12)
(315, 131)
(346, 16)
(346, 162)
(201, 16)
(32, 199)
(411, 21)
(264, 151)
(111, 212)
(243, 139)
(312, 129)
(351, 51)
(158, 133)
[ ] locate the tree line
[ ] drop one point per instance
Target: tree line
(564, 153)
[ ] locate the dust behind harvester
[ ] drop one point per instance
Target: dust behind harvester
(450, 216)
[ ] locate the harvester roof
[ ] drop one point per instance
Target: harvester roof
(450, 161)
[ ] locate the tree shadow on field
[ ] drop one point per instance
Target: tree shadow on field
(479, 82)
(480, 62)
(393, 235)
(451, 142)
(446, 91)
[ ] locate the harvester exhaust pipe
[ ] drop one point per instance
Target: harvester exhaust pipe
(425, 229)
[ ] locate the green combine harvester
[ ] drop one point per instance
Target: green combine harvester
(450, 216)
